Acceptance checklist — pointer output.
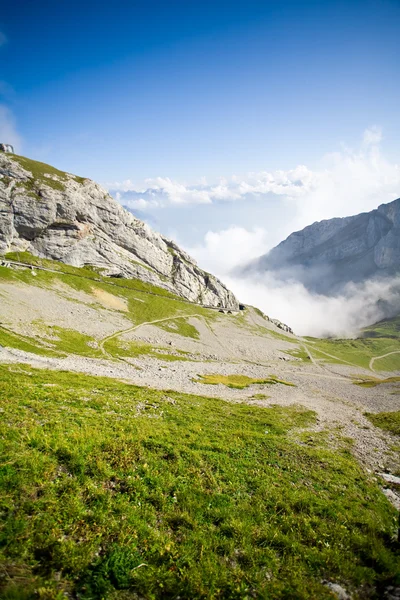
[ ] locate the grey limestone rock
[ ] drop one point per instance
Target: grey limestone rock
(60, 216)
(327, 255)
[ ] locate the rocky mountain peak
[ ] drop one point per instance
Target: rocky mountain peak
(328, 254)
(61, 216)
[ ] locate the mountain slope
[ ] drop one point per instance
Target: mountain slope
(328, 254)
(60, 216)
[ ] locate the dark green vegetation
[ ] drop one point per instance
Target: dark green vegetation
(239, 381)
(370, 382)
(114, 491)
(387, 328)
(390, 421)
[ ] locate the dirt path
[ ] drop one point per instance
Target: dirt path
(371, 362)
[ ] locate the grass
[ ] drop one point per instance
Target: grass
(89, 272)
(39, 171)
(134, 349)
(181, 327)
(239, 381)
(63, 341)
(299, 353)
(387, 328)
(261, 330)
(358, 351)
(10, 339)
(145, 302)
(389, 421)
(371, 382)
(71, 341)
(153, 305)
(112, 491)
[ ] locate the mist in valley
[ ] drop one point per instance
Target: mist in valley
(341, 315)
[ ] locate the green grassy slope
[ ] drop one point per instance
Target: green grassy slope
(375, 340)
(389, 421)
(357, 352)
(43, 174)
(387, 328)
(144, 303)
(112, 491)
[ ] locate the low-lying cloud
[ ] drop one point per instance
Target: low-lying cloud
(342, 315)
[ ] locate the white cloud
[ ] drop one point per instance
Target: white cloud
(262, 209)
(140, 203)
(372, 136)
(223, 250)
(8, 130)
(347, 182)
(317, 315)
(178, 193)
(122, 186)
(307, 313)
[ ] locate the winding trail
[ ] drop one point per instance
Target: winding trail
(371, 362)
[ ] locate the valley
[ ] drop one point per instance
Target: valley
(154, 446)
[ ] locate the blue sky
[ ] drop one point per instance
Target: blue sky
(192, 89)
(243, 120)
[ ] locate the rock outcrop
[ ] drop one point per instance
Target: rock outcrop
(63, 217)
(327, 255)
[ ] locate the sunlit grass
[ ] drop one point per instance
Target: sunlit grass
(390, 421)
(239, 381)
(113, 491)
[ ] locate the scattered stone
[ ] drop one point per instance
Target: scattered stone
(392, 497)
(390, 478)
(337, 590)
(392, 593)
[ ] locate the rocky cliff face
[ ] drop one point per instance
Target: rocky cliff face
(63, 217)
(328, 254)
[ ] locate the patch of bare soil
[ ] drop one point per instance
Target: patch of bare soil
(109, 300)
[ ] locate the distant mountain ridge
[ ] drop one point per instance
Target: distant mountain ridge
(328, 254)
(63, 217)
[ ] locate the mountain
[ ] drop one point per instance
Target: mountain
(327, 255)
(59, 216)
(155, 448)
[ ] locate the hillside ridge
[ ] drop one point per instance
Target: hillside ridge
(56, 215)
(328, 254)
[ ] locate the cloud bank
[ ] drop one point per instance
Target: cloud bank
(344, 183)
(306, 312)
(251, 214)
